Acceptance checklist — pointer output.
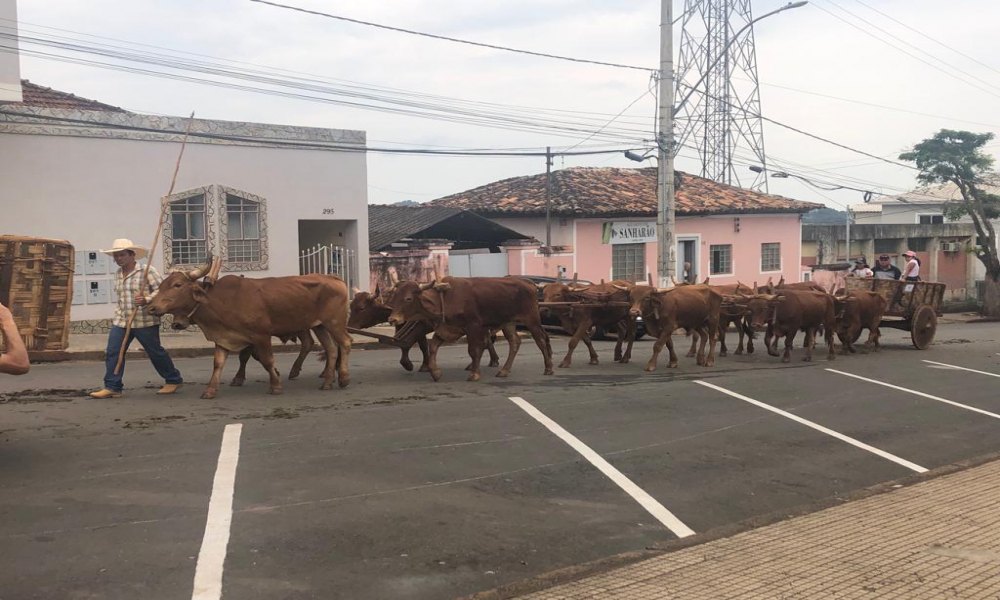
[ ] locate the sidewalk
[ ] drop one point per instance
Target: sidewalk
(937, 538)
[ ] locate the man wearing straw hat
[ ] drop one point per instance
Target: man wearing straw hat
(133, 292)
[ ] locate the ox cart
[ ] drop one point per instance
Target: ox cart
(912, 306)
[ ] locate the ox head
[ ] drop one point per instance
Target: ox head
(640, 300)
(411, 301)
(761, 309)
(181, 293)
(368, 310)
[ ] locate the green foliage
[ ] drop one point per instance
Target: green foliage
(956, 157)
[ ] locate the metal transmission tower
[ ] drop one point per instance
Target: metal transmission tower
(717, 75)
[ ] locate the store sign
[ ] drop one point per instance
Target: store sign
(628, 232)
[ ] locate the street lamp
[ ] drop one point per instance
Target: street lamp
(637, 157)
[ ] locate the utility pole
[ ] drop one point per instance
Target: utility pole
(666, 265)
(548, 197)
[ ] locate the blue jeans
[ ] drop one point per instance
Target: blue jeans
(149, 337)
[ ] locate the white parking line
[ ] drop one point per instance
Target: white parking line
(961, 368)
(903, 389)
(817, 427)
(212, 557)
(645, 500)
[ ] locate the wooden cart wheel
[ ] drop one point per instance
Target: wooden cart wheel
(923, 326)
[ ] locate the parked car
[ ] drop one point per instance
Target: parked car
(550, 320)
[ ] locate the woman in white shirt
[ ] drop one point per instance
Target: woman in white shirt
(861, 269)
(911, 272)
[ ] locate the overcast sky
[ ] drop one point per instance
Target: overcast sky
(806, 48)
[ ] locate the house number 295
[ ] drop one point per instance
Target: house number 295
(329, 211)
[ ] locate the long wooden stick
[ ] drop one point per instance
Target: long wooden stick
(152, 247)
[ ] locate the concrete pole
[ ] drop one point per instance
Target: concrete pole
(548, 197)
(848, 249)
(666, 265)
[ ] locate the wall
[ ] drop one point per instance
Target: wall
(415, 264)
(10, 68)
(592, 259)
(562, 235)
(91, 190)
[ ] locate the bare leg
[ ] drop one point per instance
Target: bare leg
(307, 347)
(657, 348)
(477, 343)
(338, 331)
(491, 346)
(266, 357)
(422, 344)
(590, 349)
(432, 365)
(241, 374)
(513, 344)
(219, 361)
(630, 339)
(582, 329)
(542, 341)
(808, 343)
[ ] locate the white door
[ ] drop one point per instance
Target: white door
(478, 265)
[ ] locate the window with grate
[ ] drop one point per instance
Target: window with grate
(930, 219)
(770, 257)
(721, 259)
(242, 229)
(188, 238)
(919, 244)
(628, 262)
(887, 246)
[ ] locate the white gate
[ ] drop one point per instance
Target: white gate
(478, 265)
(330, 260)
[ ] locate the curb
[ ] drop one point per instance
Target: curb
(603, 565)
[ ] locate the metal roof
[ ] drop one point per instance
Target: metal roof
(388, 224)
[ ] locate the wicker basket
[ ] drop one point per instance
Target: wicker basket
(36, 283)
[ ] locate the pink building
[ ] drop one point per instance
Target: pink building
(603, 226)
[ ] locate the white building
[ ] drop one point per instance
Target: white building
(924, 206)
(258, 195)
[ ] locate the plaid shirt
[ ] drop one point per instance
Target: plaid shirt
(127, 287)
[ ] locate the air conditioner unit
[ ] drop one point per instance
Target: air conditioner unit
(950, 246)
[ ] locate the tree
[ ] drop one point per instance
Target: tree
(956, 157)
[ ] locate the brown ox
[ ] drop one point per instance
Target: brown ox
(694, 308)
(369, 310)
(787, 312)
(237, 312)
(578, 321)
(472, 307)
(865, 312)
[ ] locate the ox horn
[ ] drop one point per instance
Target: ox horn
(393, 276)
(649, 279)
(196, 274)
(673, 281)
(427, 286)
(573, 282)
(213, 273)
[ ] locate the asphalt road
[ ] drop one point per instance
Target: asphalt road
(397, 487)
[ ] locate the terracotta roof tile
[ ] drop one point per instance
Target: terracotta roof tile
(589, 191)
(41, 96)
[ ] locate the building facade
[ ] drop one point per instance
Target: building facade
(603, 226)
(257, 195)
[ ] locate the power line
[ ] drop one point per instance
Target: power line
(936, 41)
(917, 48)
(630, 105)
(910, 54)
(872, 104)
(450, 39)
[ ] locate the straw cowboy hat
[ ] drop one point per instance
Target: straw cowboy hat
(122, 244)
